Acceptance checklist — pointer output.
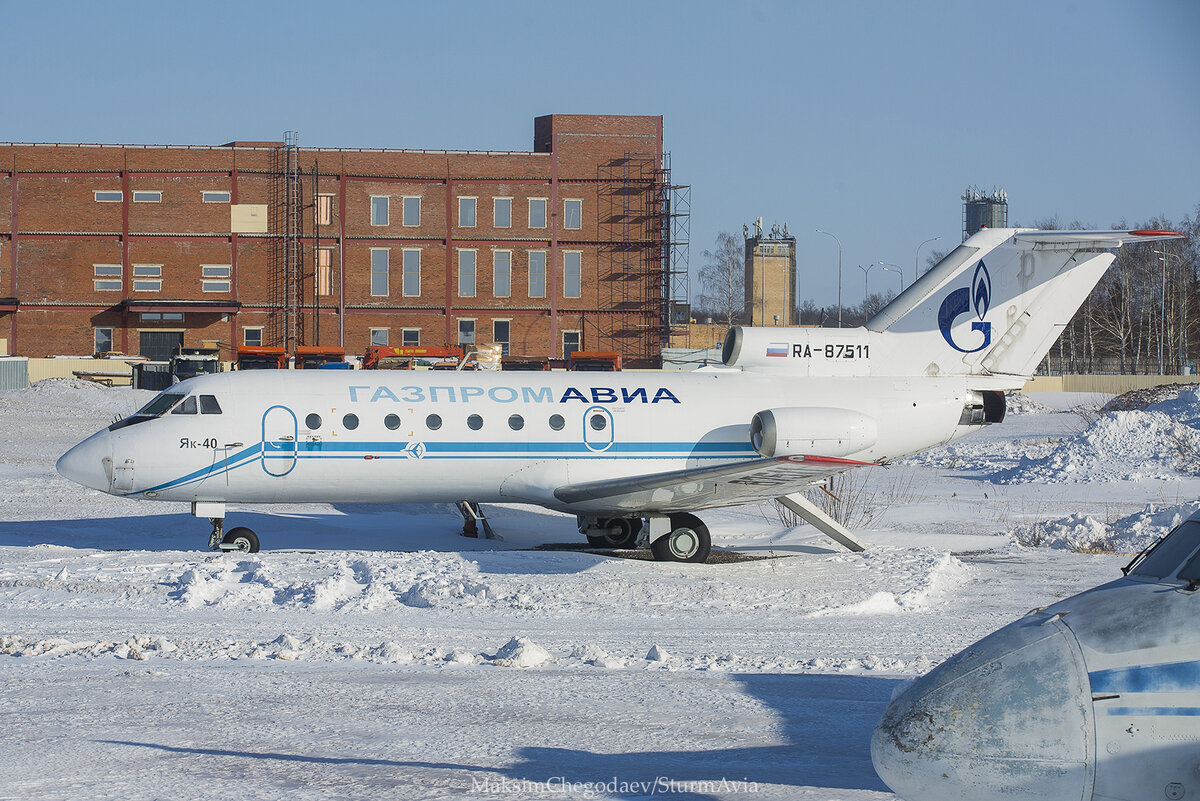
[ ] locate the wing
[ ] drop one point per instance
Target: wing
(704, 487)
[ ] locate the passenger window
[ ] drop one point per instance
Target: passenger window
(474, 422)
(313, 421)
(392, 422)
(187, 407)
(516, 422)
(350, 421)
(209, 405)
(557, 422)
(598, 422)
(433, 422)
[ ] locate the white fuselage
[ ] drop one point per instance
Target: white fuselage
(502, 436)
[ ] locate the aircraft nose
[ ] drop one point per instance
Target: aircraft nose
(1006, 718)
(87, 463)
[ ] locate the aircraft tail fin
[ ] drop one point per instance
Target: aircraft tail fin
(998, 302)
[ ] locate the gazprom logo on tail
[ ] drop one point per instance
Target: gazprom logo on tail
(961, 301)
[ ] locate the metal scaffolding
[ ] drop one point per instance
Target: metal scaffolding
(644, 227)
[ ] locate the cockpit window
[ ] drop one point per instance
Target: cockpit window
(1166, 559)
(209, 405)
(157, 407)
(187, 407)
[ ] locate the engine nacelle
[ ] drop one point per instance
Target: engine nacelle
(811, 430)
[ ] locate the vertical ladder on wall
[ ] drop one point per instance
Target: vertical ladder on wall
(292, 245)
(275, 332)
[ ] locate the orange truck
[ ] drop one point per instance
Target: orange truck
(313, 357)
(395, 357)
(252, 358)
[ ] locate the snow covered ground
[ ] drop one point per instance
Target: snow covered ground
(371, 652)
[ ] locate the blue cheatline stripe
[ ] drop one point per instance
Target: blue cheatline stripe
(1155, 711)
(1166, 677)
(237, 460)
(686, 448)
(322, 449)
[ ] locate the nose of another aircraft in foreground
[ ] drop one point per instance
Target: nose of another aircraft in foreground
(1006, 718)
(86, 463)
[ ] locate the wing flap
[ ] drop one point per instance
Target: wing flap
(702, 487)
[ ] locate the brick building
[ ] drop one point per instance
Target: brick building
(141, 248)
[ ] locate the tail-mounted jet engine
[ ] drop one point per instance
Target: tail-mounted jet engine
(811, 430)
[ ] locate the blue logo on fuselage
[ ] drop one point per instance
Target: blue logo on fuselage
(960, 301)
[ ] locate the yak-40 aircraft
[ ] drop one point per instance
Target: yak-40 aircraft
(632, 454)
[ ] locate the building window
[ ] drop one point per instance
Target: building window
(537, 273)
(379, 209)
(500, 331)
(108, 196)
(502, 212)
(466, 273)
(466, 332)
(107, 277)
(572, 343)
(215, 277)
(410, 337)
(147, 278)
(572, 269)
(102, 339)
(145, 196)
(572, 214)
(324, 209)
(161, 317)
(537, 212)
(379, 272)
(324, 271)
(502, 273)
(412, 273)
(252, 336)
(214, 197)
(379, 336)
(412, 211)
(466, 212)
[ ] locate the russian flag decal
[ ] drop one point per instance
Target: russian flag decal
(777, 349)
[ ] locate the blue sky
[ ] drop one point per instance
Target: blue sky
(866, 119)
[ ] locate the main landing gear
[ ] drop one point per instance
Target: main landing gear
(239, 539)
(679, 538)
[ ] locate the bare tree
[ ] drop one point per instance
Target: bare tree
(723, 279)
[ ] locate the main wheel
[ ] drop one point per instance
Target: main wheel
(242, 538)
(688, 541)
(622, 533)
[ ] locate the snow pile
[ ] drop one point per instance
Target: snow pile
(1121, 446)
(1130, 534)
(59, 394)
(946, 574)
(521, 652)
(1019, 403)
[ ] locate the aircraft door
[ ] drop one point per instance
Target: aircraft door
(279, 430)
(598, 429)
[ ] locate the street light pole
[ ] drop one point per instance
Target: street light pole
(866, 271)
(819, 231)
(917, 255)
(894, 268)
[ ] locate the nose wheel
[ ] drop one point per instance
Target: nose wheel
(240, 539)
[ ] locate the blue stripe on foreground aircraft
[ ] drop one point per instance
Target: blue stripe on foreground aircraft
(632, 455)
(1096, 698)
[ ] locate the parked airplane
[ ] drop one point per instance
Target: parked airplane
(632, 454)
(1095, 697)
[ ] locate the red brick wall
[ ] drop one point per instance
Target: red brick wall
(63, 232)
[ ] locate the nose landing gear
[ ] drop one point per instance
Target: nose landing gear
(239, 539)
